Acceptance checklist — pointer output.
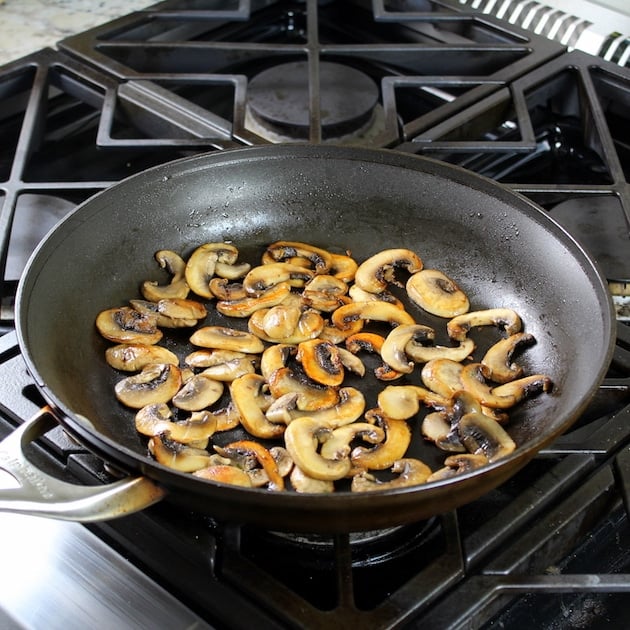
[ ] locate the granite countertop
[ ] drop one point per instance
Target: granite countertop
(30, 25)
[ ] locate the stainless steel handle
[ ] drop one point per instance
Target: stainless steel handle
(40, 494)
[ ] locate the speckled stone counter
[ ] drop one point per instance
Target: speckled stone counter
(29, 25)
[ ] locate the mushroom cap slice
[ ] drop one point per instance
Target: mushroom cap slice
(127, 325)
(132, 357)
(436, 293)
(411, 472)
(338, 445)
(401, 402)
(375, 310)
(442, 376)
(423, 354)
(458, 327)
(264, 277)
(321, 361)
(498, 358)
(198, 392)
(302, 439)
(156, 419)
(375, 273)
(156, 383)
(311, 396)
(248, 449)
(320, 259)
(393, 350)
(246, 306)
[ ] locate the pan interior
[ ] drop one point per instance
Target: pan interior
(499, 248)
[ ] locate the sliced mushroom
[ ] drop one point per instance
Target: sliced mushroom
(344, 317)
(224, 338)
(198, 392)
(384, 454)
(232, 271)
(201, 265)
(458, 465)
(156, 419)
(321, 362)
(302, 483)
(437, 428)
(163, 321)
(349, 408)
(280, 321)
(375, 273)
(249, 449)
(179, 308)
(275, 357)
(498, 358)
(232, 368)
(524, 387)
(421, 353)
(302, 439)
(224, 473)
(311, 396)
(262, 278)
(177, 288)
(458, 327)
(373, 343)
(411, 472)
(483, 436)
(310, 325)
(393, 350)
(248, 396)
(442, 376)
(473, 379)
(357, 294)
(259, 477)
(401, 402)
(222, 289)
(338, 446)
(351, 362)
(320, 259)
(244, 307)
(343, 267)
(210, 358)
(325, 293)
(129, 357)
(178, 456)
(156, 383)
(436, 293)
(127, 325)
(227, 418)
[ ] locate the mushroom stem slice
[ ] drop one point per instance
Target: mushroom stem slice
(411, 472)
(375, 273)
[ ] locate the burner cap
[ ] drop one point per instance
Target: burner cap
(279, 99)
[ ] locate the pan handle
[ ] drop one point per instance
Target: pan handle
(40, 494)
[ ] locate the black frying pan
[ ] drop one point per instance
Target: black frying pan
(501, 248)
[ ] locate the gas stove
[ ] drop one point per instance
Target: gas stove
(549, 548)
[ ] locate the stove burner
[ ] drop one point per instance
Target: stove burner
(278, 100)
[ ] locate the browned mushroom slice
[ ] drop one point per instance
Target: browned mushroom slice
(302, 439)
(351, 362)
(224, 473)
(325, 293)
(523, 387)
(498, 358)
(178, 308)
(244, 307)
(309, 326)
(383, 455)
(321, 362)
(275, 357)
(393, 350)
(458, 465)
(483, 436)
(436, 293)
(129, 357)
(357, 294)
(251, 402)
(222, 289)
(338, 446)
(401, 402)
(232, 368)
(198, 392)
(224, 338)
(227, 418)
(375, 273)
(311, 396)
(302, 483)
(262, 278)
(421, 353)
(411, 472)
(163, 321)
(437, 428)
(177, 288)
(249, 448)
(344, 317)
(458, 327)
(156, 419)
(349, 408)
(178, 456)
(343, 267)
(156, 383)
(373, 343)
(473, 379)
(127, 325)
(232, 271)
(442, 376)
(320, 259)
(202, 263)
(280, 321)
